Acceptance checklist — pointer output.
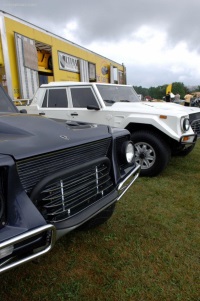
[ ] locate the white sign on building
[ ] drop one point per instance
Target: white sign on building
(68, 62)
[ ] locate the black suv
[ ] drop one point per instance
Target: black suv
(56, 176)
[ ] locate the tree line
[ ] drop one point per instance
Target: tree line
(160, 91)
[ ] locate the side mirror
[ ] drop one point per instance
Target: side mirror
(92, 107)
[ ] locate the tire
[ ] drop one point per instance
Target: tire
(151, 152)
(98, 219)
(184, 151)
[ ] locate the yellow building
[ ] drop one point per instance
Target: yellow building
(30, 56)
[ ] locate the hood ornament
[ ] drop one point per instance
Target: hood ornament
(64, 137)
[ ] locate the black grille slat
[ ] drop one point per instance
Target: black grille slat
(33, 169)
(195, 123)
(196, 127)
(29, 178)
(68, 193)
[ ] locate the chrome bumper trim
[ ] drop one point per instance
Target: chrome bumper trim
(123, 186)
(194, 136)
(23, 237)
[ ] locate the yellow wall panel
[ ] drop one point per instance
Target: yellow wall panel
(57, 45)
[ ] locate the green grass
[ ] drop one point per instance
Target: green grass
(148, 250)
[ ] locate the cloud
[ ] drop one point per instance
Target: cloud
(158, 41)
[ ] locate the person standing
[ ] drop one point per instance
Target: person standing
(187, 98)
(177, 98)
(168, 97)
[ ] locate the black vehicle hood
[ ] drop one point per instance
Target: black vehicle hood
(23, 135)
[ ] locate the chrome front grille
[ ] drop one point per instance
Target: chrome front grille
(70, 192)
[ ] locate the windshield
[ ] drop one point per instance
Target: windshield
(114, 93)
(6, 104)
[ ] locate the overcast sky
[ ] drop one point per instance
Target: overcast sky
(158, 41)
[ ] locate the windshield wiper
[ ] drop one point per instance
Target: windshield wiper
(124, 100)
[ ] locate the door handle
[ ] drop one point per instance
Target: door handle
(74, 114)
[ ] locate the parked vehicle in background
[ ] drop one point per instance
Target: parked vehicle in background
(56, 176)
(195, 102)
(158, 129)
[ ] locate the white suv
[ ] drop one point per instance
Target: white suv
(158, 129)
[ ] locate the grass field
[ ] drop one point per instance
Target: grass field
(148, 250)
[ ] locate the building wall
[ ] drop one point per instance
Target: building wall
(57, 44)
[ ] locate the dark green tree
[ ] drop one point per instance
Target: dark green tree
(160, 91)
(179, 88)
(141, 90)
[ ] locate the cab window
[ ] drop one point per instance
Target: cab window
(83, 97)
(55, 98)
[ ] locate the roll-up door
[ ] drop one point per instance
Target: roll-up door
(84, 74)
(27, 60)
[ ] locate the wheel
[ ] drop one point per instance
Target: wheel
(184, 151)
(98, 219)
(151, 152)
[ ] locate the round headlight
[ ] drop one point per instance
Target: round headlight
(128, 151)
(186, 124)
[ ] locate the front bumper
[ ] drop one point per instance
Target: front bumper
(20, 244)
(26, 246)
(82, 217)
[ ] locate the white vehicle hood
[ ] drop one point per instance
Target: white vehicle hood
(156, 108)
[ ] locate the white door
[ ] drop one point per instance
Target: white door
(85, 106)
